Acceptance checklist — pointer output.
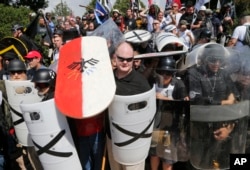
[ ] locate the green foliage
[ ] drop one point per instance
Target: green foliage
(9, 16)
(33, 4)
(62, 9)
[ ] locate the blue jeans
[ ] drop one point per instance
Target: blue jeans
(91, 150)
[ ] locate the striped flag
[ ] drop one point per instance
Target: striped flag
(108, 5)
(99, 7)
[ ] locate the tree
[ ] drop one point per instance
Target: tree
(10, 15)
(32, 4)
(62, 9)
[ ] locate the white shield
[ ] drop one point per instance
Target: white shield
(51, 136)
(17, 92)
(131, 124)
(137, 36)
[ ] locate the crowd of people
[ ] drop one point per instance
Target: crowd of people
(212, 81)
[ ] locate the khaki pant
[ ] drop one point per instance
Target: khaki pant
(114, 165)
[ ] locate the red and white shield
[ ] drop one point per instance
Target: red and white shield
(85, 84)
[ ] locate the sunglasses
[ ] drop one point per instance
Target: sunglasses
(29, 59)
(121, 59)
(42, 85)
(16, 72)
(164, 72)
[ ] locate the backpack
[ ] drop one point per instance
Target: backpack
(246, 40)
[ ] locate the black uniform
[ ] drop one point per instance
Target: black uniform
(207, 87)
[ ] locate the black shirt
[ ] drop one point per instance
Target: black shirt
(206, 87)
(133, 83)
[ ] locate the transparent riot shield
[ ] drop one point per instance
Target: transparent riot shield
(219, 95)
(131, 124)
(17, 92)
(51, 136)
(170, 139)
(206, 151)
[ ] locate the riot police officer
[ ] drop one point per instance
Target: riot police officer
(45, 82)
(210, 84)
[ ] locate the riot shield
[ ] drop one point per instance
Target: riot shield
(131, 124)
(111, 33)
(51, 136)
(219, 105)
(194, 57)
(15, 45)
(170, 139)
(206, 151)
(17, 92)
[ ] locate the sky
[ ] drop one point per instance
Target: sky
(74, 5)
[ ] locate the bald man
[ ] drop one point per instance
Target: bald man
(128, 82)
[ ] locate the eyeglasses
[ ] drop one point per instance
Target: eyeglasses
(29, 59)
(164, 72)
(121, 59)
(42, 85)
(17, 72)
(214, 60)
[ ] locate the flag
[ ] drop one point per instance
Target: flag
(31, 29)
(200, 3)
(99, 8)
(218, 5)
(108, 5)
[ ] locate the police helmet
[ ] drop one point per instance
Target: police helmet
(16, 65)
(16, 27)
(167, 64)
(45, 75)
(205, 33)
(213, 53)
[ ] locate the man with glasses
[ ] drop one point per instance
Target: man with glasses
(45, 83)
(128, 82)
(34, 61)
(17, 70)
(174, 15)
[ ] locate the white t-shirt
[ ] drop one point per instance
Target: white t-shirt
(177, 18)
(185, 38)
(239, 34)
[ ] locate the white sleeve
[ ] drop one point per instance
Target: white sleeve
(1, 97)
(237, 32)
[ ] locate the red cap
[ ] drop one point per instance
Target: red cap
(33, 54)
